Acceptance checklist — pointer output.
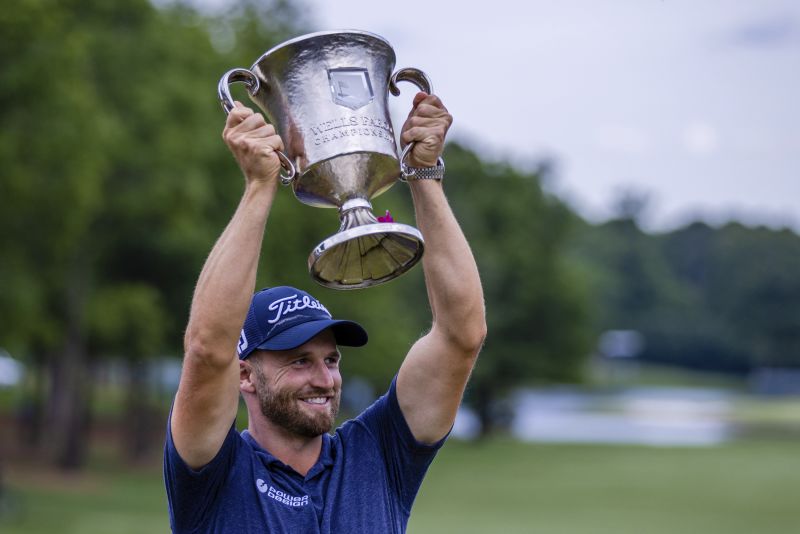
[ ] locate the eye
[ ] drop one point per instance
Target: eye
(332, 361)
(300, 362)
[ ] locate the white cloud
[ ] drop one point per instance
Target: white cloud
(621, 138)
(700, 138)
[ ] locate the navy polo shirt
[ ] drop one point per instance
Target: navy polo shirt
(365, 481)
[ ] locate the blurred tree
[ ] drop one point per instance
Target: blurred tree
(131, 320)
(53, 145)
(630, 204)
(634, 287)
(721, 300)
(636, 281)
(111, 152)
(744, 278)
(698, 336)
(535, 300)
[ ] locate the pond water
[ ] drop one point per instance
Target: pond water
(641, 416)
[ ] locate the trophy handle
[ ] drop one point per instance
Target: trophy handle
(415, 76)
(251, 81)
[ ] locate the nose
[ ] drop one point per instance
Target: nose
(322, 376)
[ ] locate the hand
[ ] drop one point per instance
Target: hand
(427, 126)
(253, 143)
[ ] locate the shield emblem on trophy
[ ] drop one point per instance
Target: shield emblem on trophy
(351, 87)
(327, 94)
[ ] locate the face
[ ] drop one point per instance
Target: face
(299, 389)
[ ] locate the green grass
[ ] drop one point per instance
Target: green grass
(513, 488)
(501, 486)
(111, 502)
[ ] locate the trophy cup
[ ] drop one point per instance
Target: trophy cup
(326, 94)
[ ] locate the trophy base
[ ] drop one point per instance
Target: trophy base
(366, 255)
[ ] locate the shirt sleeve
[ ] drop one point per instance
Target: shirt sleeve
(407, 460)
(191, 494)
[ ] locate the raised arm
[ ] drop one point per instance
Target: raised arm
(207, 399)
(433, 376)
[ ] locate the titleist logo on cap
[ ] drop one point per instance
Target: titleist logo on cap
(290, 304)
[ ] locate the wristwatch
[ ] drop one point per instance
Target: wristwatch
(408, 174)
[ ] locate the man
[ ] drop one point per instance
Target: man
(285, 473)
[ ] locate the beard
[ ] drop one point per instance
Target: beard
(280, 407)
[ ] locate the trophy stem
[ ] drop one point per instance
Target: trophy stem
(364, 252)
(356, 212)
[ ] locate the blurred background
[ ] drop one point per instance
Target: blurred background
(627, 174)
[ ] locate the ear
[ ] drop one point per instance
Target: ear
(246, 377)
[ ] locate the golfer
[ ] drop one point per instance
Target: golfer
(279, 349)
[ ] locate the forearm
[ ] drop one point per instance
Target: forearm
(451, 275)
(433, 375)
(227, 281)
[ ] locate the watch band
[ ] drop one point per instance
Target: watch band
(409, 174)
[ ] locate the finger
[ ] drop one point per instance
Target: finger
(430, 111)
(275, 143)
(419, 97)
(250, 123)
(266, 146)
(422, 122)
(267, 130)
(435, 101)
(237, 115)
(267, 136)
(430, 139)
(425, 99)
(238, 107)
(421, 134)
(417, 127)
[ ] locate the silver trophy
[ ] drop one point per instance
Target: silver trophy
(326, 94)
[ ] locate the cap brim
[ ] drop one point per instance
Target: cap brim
(347, 333)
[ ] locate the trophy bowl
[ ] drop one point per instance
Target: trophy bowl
(326, 94)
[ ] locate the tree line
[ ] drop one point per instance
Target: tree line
(115, 184)
(723, 299)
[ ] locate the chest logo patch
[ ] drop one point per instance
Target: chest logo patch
(282, 497)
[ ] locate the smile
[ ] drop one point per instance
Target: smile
(316, 400)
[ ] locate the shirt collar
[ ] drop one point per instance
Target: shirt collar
(324, 461)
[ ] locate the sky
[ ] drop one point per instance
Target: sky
(690, 104)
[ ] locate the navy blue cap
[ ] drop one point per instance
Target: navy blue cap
(283, 317)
